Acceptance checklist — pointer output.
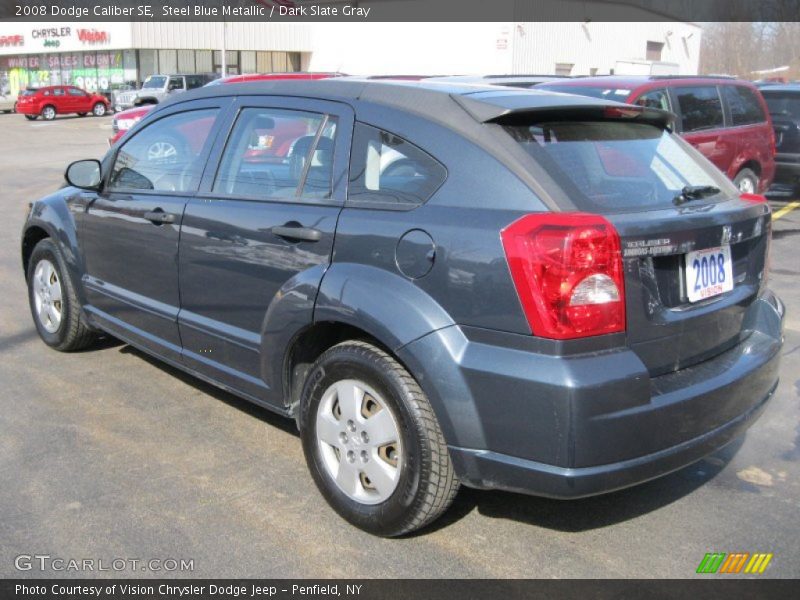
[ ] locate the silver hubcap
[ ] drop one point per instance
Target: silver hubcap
(47, 295)
(747, 186)
(49, 113)
(161, 151)
(359, 441)
(99, 110)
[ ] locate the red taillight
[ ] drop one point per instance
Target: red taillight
(755, 198)
(567, 268)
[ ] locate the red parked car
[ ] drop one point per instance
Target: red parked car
(47, 102)
(726, 119)
(125, 120)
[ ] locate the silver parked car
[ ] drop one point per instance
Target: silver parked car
(158, 88)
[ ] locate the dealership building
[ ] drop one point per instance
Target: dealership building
(103, 56)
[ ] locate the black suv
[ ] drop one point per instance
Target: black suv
(784, 107)
(442, 284)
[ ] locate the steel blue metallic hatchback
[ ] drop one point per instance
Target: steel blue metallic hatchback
(443, 284)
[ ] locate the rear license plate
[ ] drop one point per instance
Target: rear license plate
(709, 273)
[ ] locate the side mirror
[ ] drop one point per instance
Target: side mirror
(84, 174)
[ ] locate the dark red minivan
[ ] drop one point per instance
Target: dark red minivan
(725, 118)
(47, 102)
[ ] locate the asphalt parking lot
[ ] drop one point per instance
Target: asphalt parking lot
(109, 454)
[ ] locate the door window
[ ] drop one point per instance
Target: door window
(75, 92)
(700, 107)
(166, 155)
(654, 99)
(175, 83)
(744, 107)
(58, 91)
(271, 151)
(389, 172)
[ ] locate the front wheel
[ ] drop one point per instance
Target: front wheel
(747, 181)
(54, 304)
(99, 109)
(372, 442)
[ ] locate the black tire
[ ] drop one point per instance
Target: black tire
(73, 333)
(82, 114)
(49, 115)
(746, 177)
(427, 483)
(31, 117)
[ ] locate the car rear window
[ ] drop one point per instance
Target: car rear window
(783, 104)
(612, 166)
(701, 107)
(30, 92)
(743, 104)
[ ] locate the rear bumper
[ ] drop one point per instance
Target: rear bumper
(489, 470)
(27, 109)
(568, 427)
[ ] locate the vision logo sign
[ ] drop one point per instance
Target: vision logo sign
(737, 562)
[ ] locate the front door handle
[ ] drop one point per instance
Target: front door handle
(303, 234)
(159, 217)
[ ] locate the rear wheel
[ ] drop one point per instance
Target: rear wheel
(99, 109)
(48, 113)
(54, 305)
(81, 114)
(747, 181)
(31, 117)
(372, 441)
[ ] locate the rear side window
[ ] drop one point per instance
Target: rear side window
(166, 155)
(700, 107)
(612, 166)
(654, 99)
(271, 151)
(387, 171)
(743, 105)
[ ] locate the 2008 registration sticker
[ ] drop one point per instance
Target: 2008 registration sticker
(709, 273)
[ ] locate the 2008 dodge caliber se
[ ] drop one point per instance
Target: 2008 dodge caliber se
(507, 289)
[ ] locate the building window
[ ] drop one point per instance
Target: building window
(654, 50)
(564, 68)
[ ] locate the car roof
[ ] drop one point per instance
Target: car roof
(780, 87)
(428, 98)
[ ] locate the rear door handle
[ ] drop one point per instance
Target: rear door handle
(159, 217)
(303, 234)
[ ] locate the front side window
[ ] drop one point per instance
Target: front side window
(783, 104)
(700, 107)
(58, 92)
(611, 166)
(744, 106)
(75, 92)
(175, 83)
(166, 155)
(389, 172)
(271, 151)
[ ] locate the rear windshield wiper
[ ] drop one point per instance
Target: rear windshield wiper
(694, 192)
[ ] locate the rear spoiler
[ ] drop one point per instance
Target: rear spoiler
(506, 108)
